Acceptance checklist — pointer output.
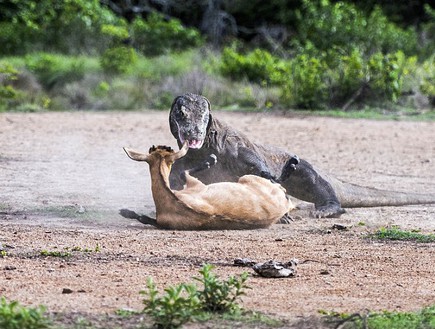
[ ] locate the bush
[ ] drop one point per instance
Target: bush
(184, 302)
(156, 36)
(305, 86)
(15, 316)
(7, 92)
(54, 70)
(220, 296)
(118, 60)
(386, 74)
(343, 25)
(63, 26)
(427, 85)
(257, 66)
(178, 306)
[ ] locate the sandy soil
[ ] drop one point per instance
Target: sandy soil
(64, 176)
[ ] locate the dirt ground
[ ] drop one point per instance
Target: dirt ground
(64, 177)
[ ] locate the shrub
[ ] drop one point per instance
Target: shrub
(54, 70)
(156, 35)
(178, 306)
(343, 25)
(220, 296)
(386, 74)
(184, 302)
(305, 86)
(7, 92)
(257, 66)
(118, 60)
(71, 26)
(427, 85)
(15, 316)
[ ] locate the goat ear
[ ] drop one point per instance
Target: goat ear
(134, 155)
(181, 153)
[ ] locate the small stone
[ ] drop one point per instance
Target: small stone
(67, 291)
(10, 268)
(244, 262)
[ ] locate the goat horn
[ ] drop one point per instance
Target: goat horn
(181, 153)
(135, 155)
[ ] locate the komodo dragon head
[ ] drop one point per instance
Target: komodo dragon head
(189, 119)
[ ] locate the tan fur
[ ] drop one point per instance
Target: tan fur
(253, 202)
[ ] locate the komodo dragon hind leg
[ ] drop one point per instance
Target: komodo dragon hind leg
(209, 162)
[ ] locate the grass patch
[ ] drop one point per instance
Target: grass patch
(51, 253)
(396, 234)
(15, 316)
(373, 113)
(424, 319)
(185, 302)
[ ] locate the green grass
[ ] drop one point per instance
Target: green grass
(51, 253)
(15, 316)
(423, 319)
(374, 113)
(396, 234)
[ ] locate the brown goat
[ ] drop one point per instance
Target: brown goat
(253, 202)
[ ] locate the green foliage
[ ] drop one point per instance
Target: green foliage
(343, 25)
(306, 87)
(395, 233)
(15, 316)
(386, 73)
(220, 296)
(320, 79)
(54, 70)
(424, 319)
(184, 302)
(179, 305)
(118, 60)
(155, 35)
(257, 66)
(68, 26)
(59, 254)
(7, 92)
(427, 85)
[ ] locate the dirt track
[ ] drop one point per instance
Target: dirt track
(64, 176)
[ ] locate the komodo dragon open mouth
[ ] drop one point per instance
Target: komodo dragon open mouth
(189, 119)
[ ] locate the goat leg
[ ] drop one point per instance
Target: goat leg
(144, 219)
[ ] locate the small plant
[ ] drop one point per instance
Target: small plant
(220, 296)
(179, 305)
(15, 316)
(55, 253)
(184, 302)
(394, 233)
(424, 319)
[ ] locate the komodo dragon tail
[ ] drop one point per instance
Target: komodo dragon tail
(355, 196)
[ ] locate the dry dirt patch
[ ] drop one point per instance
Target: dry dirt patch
(64, 176)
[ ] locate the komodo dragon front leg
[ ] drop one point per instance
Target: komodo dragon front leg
(299, 179)
(306, 184)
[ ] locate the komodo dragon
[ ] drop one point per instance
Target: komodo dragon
(190, 119)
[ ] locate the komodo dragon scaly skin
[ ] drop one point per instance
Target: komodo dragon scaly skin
(190, 119)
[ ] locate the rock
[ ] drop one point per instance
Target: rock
(273, 269)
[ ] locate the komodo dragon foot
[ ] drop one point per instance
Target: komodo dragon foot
(330, 210)
(207, 164)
